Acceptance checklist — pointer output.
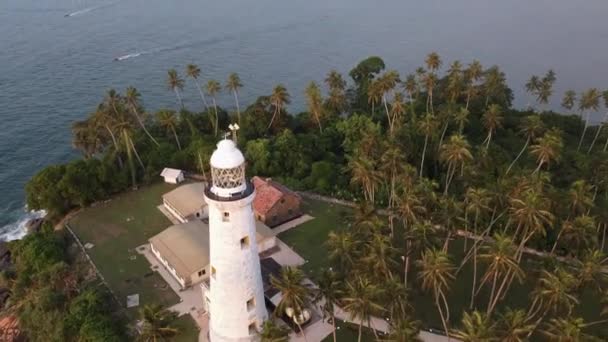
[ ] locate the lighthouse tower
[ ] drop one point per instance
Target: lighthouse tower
(236, 306)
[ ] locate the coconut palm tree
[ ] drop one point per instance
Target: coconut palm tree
(592, 270)
(554, 292)
(492, 120)
(132, 99)
(398, 109)
(436, 274)
(494, 85)
(601, 126)
(194, 72)
(427, 126)
(272, 332)
(295, 295)
(430, 80)
(566, 329)
(500, 255)
(314, 100)
(580, 196)
(532, 85)
(168, 120)
(176, 84)
(328, 293)
(455, 153)
(411, 87)
(472, 76)
(387, 83)
(361, 302)
(433, 61)
(589, 102)
(529, 210)
(404, 330)
(461, 118)
(531, 128)
(579, 233)
(547, 148)
(364, 174)
(380, 256)
(455, 81)
(156, 324)
(233, 84)
(213, 87)
(569, 99)
(279, 98)
(513, 326)
(343, 249)
(477, 202)
(87, 138)
(476, 327)
(337, 97)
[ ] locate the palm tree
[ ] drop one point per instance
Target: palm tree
(398, 109)
(476, 327)
(194, 72)
(168, 120)
(547, 148)
(500, 255)
(404, 330)
(433, 61)
(580, 197)
(295, 294)
(364, 174)
(599, 129)
(494, 85)
(315, 102)
(430, 80)
(234, 84)
(386, 84)
(176, 84)
(436, 273)
(455, 153)
(411, 87)
(278, 99)
(272, 332)
(592, 269)
(553, 293)
(568, 329)
(492, 120)
(569, 99)
(579, 233)
(343, 248)
(427, 126)
(156, 324)
(455, 82)
(589, 101)
(461, 118)
(531, 128)
(532, 85)
(360, 302)
(132, 98)
(472, 76)
(337, 97)
(477, 201)
(213, 88)
(328, 293)
(513, 326)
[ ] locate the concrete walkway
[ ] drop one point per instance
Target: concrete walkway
(291, 224)
(286, 256)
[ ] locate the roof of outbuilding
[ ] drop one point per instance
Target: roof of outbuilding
(187, 199)
(171, 173)
(186, 246)
(268, 193)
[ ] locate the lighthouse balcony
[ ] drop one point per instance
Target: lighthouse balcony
(233, 196)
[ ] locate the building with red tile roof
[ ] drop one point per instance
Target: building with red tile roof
(274, 203)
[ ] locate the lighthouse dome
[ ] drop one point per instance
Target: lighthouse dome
(227, 170)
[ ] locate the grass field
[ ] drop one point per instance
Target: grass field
(348, 332)
(188, 330)
(116, 228)
(309, 239)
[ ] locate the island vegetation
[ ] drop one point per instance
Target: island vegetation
(446, 174)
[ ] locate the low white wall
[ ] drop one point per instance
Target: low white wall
(174, 212)
(168, 267)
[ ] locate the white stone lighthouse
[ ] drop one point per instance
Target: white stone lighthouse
(236, 307)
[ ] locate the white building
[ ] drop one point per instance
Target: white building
(172, 176)
(237, 309)
(186, 203)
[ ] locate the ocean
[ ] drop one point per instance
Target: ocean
(57, 56)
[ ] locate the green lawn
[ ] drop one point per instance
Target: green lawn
(309, 239)
(116, 228)
(188, 330)
(348, 332)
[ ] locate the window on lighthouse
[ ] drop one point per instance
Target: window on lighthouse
(252, 328)
(226, 217)
(245, 242)
(250, 304)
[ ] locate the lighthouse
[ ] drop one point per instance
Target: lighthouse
(236, 307)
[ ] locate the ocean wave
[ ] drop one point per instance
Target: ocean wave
(18, 229)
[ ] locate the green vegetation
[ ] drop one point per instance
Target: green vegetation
(116, 228)
(438, 150)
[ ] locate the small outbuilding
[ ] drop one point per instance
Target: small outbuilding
(274, 203)
(183, 249)
(172, 176)
(187, 202)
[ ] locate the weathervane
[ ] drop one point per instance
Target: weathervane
(233, 128)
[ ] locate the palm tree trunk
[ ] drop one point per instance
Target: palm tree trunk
(580, 143)
(606, 145)
(144, 126)
(276, 110)
(360, 324)
(388, 115)
(407, 263)
(179, 146)
(333, 324)
(443, 322)
(445, 128)
(302, 331)
(597, 134)
(130, 157)
(200, 91)
(468, 100)
(518, 156)
(216, 115)
(180, 103)
(556, 241)
(115, 145)
(540, 163)
(426, 139)
(238, 108)
(136, 154)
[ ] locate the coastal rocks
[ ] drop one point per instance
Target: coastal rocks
(34, 225)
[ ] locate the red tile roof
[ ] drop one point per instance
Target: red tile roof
(268, 193)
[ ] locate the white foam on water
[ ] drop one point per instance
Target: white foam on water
(17, 229)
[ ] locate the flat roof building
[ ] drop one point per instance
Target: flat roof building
(186, 202)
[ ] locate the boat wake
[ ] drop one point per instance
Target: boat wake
(90, 9)
(131, 55)
(18, 229)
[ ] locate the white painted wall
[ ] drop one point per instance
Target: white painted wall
(168, 267)
(237, 276)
